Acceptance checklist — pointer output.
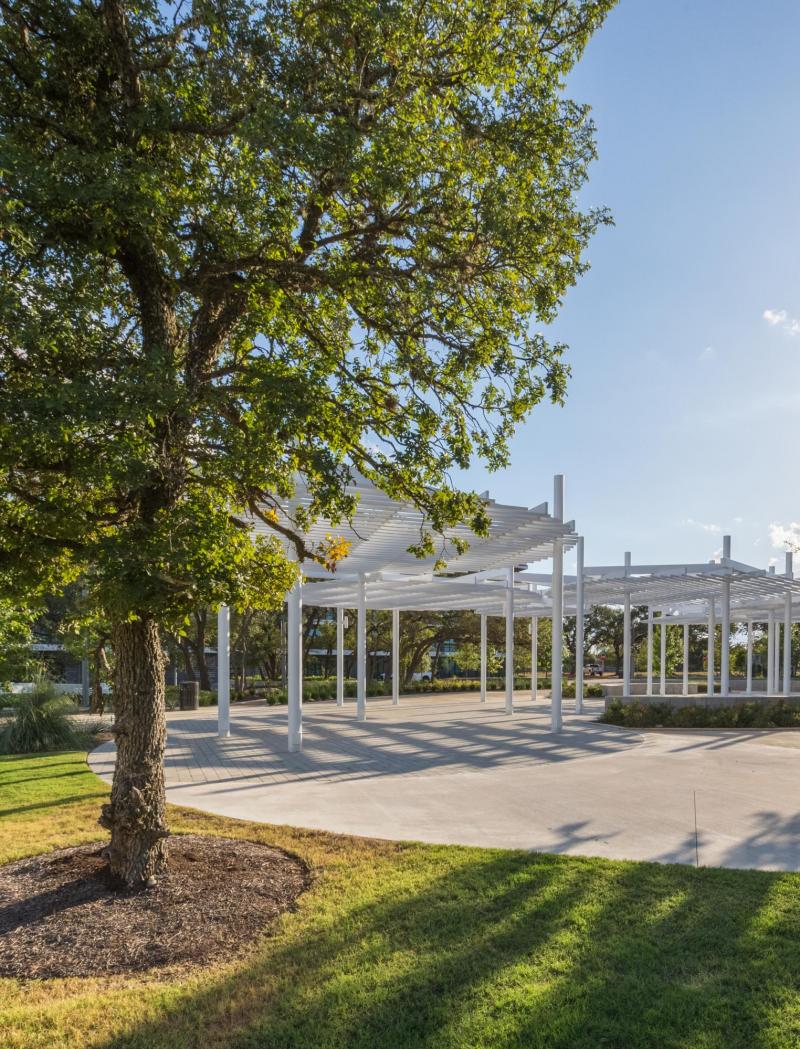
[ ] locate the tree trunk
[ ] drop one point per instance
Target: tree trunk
(200, 619)
(415, 660)
(188, 667)
(98, 701)
(136, 813)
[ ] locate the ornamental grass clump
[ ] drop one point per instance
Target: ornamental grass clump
(41, 722)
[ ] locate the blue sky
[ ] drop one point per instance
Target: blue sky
(682, 415)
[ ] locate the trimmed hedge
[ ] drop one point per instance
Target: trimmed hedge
(778, 714)
(322, 689)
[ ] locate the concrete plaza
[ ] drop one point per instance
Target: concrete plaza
(449, 769)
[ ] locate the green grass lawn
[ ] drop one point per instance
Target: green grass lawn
(411, 945)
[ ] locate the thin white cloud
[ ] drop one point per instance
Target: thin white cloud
(782, 536)
(690, 522)
(707, 353)
(781, 319)
(774, 317)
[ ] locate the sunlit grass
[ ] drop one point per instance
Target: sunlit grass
(406, 945)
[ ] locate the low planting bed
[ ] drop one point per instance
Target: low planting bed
(707, 713)
(63, 915)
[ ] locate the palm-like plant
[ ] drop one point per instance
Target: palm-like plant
(40, 722)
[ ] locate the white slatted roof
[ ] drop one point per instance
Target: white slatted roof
(427, 593)
(383, 529)
(665, 587)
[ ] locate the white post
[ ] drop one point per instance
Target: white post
(662, 666)
(776, 681)
(649, 651)
(557, 591)
(534, 658)
(361, 651)
(749, 659)
(339, 657)
(787, 630)
(223, 671)
(712, 637)
(725, 640)
(558, 626)
(483, 657)
(579, 630)
(294, 661)
(395, 656)
(626, 637)
(771, 654)
(787, 644)
(686, 659)
(510, 642)
(725, 625)
(558, 497)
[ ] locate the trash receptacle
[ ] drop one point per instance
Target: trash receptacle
(190, 695)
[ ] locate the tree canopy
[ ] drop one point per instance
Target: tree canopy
(247, 241)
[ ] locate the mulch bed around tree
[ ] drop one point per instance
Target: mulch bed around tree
(60, 914)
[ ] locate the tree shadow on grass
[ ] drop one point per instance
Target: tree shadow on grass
(50, 803)
(8, 781)
(460, 948)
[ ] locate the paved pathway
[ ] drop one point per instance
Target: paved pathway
(449, 769)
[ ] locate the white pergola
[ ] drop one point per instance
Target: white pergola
(490, 578)
(380, 573)
(724, 592)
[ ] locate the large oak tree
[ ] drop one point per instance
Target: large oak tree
(244, 241)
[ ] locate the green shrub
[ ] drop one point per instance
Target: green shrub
(315, 689)
(41, 722)
(173, 697)
(778, 714)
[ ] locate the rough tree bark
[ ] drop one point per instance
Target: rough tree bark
(98, 700)
(136, 815)
(201, 621)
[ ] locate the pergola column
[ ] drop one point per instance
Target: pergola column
(395, 656)
(534, 657)
(787, 645)
(649, 651)
(510, 642)
(558, 626)
(223, 671)
(787, 630)
(483, 657)
(686, 659)
(626, 637)
(748, 687)
(294, 665)
(712, 632)
(339, 657)
(361, 650)
(725, 640)
(579, 629)
(771, 653)
(776, 679)
(662, 665)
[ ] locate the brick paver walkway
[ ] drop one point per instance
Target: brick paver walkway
(434, 735)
